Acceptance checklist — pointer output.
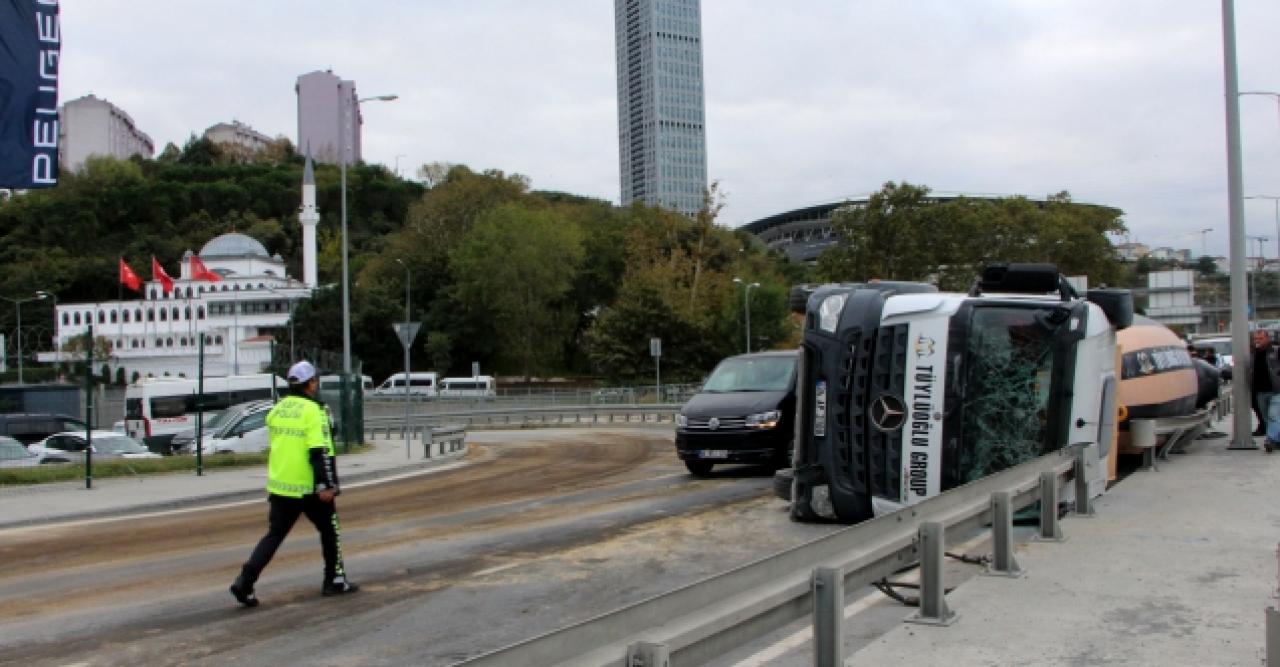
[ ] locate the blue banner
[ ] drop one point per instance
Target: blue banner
(30, 46)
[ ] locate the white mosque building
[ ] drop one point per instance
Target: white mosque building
(238, 315)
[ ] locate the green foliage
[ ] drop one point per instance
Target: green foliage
(515, 269)
(905, 234)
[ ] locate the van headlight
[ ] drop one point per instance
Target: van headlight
(681, 421)
(829, 312)
(764, 420)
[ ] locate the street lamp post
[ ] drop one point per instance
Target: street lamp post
(407, 282)
(57, 342)
(746, 306)
(346, 287)
(1276, 199)
(1253, 277)
(17, 304)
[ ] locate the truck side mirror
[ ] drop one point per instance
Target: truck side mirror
(1117, 304)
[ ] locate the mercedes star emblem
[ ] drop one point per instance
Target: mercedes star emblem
(888, 413)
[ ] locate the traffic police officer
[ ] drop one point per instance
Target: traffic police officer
(302, 478)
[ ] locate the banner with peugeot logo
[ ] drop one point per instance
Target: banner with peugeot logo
(30, 46)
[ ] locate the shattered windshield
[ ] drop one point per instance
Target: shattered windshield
(1006, 400)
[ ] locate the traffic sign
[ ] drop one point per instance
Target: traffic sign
(407, 332)
(655, 347)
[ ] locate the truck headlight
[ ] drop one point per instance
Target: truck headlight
(764, 420)
(829, 312)
(681, 421)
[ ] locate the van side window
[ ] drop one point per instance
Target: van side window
(168, 406)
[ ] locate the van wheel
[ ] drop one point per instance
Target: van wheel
(699, 468)
(782, 483)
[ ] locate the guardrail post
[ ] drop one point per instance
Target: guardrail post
(933, 597)
(827, 586)
(647, 654)
(1002, 564)
(1142, 433)
(1084, 504)
(427, 440)
(1050, 530)
(1273, 637)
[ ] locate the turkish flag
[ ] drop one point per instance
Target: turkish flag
(201, 272)
(128, 278)
(157, 273)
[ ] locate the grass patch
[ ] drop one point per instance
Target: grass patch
(103, 468)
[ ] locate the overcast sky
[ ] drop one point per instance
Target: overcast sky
(1119, 102)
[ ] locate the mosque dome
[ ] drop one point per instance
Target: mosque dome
(233, 244)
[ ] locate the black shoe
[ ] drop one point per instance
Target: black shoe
(1261, 430)
(338, 587)
(243, 594)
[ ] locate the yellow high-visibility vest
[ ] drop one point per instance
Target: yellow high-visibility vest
(296, 425)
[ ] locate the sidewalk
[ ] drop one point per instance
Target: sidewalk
(65, 501)
(1176, 568)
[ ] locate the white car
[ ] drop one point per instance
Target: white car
(245, 432)
(106, 444)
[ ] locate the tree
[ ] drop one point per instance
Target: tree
(884, 239)
(516, 266)
(1206, 266)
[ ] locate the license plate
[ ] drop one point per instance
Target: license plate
(713, 454)
(820, 409)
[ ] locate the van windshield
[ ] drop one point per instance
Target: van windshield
(752, 374)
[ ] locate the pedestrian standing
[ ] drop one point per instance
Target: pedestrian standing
(1264, 377)
(302, 478)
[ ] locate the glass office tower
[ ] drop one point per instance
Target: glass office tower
(662, 148)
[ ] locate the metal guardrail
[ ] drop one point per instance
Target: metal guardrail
(561, 416)
(708, 618)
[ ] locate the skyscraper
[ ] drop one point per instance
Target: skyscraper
(662, 148)
(328, 112)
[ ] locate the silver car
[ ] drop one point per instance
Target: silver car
(14, 455)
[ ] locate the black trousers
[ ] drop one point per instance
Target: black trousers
(284, 513)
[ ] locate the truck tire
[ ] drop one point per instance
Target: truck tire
(782, 483)
(699, 468)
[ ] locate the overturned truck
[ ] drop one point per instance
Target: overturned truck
(905, 392)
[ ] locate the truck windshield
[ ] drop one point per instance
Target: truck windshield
(1010, 354)
(752, 374)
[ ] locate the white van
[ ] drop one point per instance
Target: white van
(480, 386)
(420, 384)
(333, 384)
(155, 409)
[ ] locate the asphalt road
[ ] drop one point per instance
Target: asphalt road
(529, 537)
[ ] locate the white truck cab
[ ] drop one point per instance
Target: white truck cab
(906, 392)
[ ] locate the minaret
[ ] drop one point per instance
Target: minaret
(309, 216)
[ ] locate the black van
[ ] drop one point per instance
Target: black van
(743, 413)
(30, 428)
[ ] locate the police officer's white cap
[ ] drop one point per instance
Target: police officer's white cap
(301, 372)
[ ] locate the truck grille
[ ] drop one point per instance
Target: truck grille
(875, 364)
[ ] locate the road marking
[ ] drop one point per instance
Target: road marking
(805, 635)
(497, 568)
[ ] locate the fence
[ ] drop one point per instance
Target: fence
(566, 416)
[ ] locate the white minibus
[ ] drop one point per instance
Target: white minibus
(420, 384)
(157, 408)
(480, 386)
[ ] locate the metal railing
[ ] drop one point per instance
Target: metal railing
(710, 617)
(551, 417)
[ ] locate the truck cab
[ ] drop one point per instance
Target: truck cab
(906, 392)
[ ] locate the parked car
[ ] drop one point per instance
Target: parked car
(14, 454)
(184, 442)
(743, 414)
(29, 428)
(106, 444)
(243, 431)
